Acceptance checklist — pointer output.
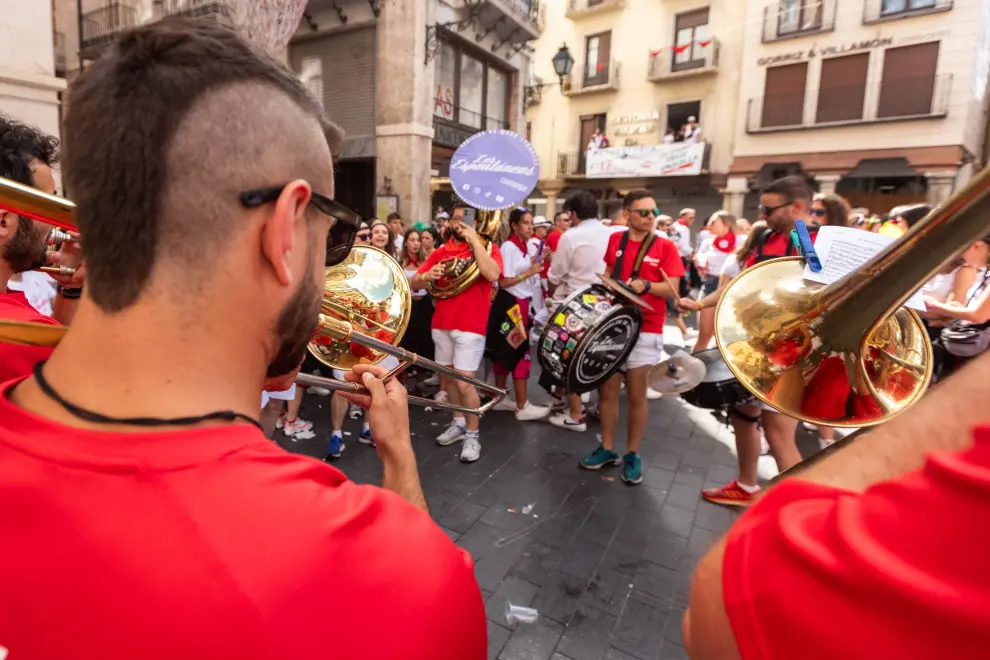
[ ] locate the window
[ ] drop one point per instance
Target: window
(446, 72)
(588, 125)
(678, 113)
(842, 88)
(799, 16)
(908, 85)
(783, 95)
(888, 7)
(472, 91)
(497, 99)
(596, 60)
(692, 36)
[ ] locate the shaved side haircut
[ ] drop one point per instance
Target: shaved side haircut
(163, 134)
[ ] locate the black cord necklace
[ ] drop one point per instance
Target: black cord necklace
(90, 416)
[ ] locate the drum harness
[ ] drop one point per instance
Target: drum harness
(644, 248)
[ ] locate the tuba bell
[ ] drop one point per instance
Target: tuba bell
(460, 273)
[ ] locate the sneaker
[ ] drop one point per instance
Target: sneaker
(280, 422)
(432, 381)
(366, 438)
(335, 449)
(453, 433)
(354, 411)
(564, 421)
(318, 391)
(632, 468)
(530, 412)
(557, 405)
(691, 334)
(440, 397)
(764, 447)
(599, 458)
(508, 404)
(593, 411)
(731, 494)
(471, 451)
(652, 394)
(298, 430)
(823, 442)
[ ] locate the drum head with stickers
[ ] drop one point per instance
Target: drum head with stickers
(604, 348)
(569, 322)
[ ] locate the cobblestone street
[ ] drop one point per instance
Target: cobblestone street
(607, 565)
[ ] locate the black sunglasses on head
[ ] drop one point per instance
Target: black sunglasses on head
(342, 232)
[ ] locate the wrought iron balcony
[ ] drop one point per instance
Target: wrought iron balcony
(581, 8)
(599, 78)
(684, 60)
(102, 26)
(194, 8)
(513, 21)
(797, 18)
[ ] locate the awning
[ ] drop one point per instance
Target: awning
(770, 172)
(882, 168)
(920, 159)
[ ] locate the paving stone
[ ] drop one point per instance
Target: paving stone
(658, 581)
(677, 520)
(536, 564)
(659, 478)
(497, 637)
(672, 635)
(558, 598)
(599, 528)
(462, 517)
(684, 496)
(608, 590)
(713, 517)
(533, 641)
(512, 590)
(641, 627)
(665, 549)
(588, 635)
(616, 654)
(581, 558)
(689, 475)
(670, 651)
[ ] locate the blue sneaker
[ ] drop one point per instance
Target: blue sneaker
(366, 438)
(632, 468)
(335, 449)
(599, 458)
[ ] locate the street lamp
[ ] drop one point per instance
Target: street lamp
(562, 64)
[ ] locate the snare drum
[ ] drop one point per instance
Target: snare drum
(720, 389)
(588, 337)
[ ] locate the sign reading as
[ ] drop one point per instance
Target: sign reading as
(678, 159)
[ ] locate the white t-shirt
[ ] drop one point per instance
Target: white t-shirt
(712, 259)
(730, 267)
(399, 240)
(580, 258)
(514, 262)
(39, 289)
(681, 236)
(692, 134)
(409, 275)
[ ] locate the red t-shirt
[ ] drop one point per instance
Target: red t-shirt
(662, 254)
(215, 543)
(779, 245)
(553, 240)
(467, 311)
(17, 361)
(899, 571)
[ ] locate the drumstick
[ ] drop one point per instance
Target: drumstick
(669, 283)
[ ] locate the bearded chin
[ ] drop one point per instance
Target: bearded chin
(297, 322)
(449, 233)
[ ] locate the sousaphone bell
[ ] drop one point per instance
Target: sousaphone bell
(461, 272)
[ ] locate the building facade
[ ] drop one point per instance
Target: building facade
(408, 80)
(30, 90)
(641, 70)
(882, 101)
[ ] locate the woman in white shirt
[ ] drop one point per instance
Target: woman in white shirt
(723, 242)
(521, 278)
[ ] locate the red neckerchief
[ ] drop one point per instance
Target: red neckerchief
(683, 222)
(456, 249)
(725, 244)
(412, 262)
(519, 243)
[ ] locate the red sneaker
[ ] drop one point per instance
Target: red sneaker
(731, 494)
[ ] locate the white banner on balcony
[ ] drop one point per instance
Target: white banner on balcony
(678, 159)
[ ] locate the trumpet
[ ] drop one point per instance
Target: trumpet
(846, 354)
(363, 314)
(50, 209)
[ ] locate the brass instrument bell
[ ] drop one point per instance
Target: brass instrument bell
(461, 272)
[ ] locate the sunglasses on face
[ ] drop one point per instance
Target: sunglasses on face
(818, 212)
(646, 213)
(343, 231)
(767, 211)
(364, 236)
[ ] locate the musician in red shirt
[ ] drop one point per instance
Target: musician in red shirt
(877, 549)
(460, 323)
(27, 156)
(144, 513)
(561, 223)
(782, 203)
(639, 258)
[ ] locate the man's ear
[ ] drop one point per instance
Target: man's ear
(278, 233)
(8, 224)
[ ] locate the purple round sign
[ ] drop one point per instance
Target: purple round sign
(494, 170)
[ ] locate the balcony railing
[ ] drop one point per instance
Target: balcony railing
(695, 58)
(925, 97)
(604, 78)
(528, 9)
(797, 19)
(61, 66)
(577, 8)
(570, 164)
(101, 27)
(877, 11)
(194, 8)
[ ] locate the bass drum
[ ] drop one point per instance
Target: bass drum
(719, 389)
(588, 337)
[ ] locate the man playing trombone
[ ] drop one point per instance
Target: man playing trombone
(144, 513)
(27, 156)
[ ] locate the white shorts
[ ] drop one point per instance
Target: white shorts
(647, 352)
(285, 395)
(463, 350)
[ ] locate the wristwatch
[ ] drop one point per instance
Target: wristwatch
(69, 293)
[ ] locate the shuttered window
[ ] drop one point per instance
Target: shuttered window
(340, 69)
(783, 95)
(598, 52)
(842, 88)
(908, 85)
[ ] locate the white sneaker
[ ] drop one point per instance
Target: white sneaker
(318, 391)
(823, 443)
(508, 404)
(530, 412)
(453, 433)
(354, 411)
(432, 380)
(691, 334)
(564, 421)
(652, 394)
(440, 397)
(471, 451)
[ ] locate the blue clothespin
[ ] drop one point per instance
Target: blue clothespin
(807, 247)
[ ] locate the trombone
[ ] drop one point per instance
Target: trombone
(364, 312)
(846, 354)
(50, 209)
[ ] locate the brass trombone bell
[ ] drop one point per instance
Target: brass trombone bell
(846, 354)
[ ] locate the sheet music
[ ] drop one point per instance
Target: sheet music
(844, 249)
